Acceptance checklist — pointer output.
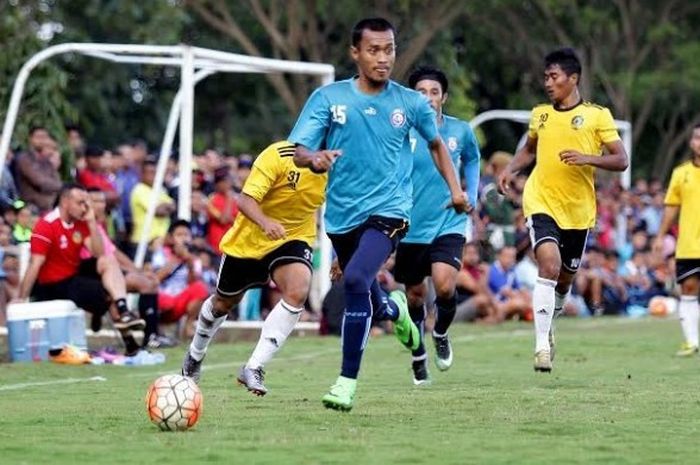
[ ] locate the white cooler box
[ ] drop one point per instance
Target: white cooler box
(34, 328)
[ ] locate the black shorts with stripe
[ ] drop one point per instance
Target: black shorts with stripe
(414, 261)
(572, 242)
(687, 267)
(239, 274)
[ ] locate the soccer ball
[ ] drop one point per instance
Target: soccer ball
(174, 403)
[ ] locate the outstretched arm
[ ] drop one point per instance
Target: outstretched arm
(522, 159)
(443, 162)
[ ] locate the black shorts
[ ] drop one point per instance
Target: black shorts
(572, 242)
(414, 261)
(85, 289)
(239, 274)
(687, 267)
(346, 244)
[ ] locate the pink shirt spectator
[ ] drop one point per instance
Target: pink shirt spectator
(107, 243)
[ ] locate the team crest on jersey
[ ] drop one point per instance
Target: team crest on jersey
(577, 122)
(398, 119)
(77, 237)
(452, 143)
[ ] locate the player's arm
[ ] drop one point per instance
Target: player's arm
(35, 263)
(252, 210)
(443, 162)
(614, 160)
(669, 217)
(523, 158)
(471, 157)
(317, 161)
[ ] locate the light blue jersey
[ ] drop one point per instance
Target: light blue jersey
(429, 217)
(372, 131)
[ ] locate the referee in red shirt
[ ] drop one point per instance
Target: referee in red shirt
(56, 271)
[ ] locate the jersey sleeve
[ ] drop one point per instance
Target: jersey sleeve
(534, 123)
(40, 242)
(425, 119)
(606, 129)
(265, 171)
(471, 157)
(673, 194)
(313, 122)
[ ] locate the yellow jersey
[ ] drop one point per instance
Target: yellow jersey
(684, 191)
(287, 194)
(566, 193)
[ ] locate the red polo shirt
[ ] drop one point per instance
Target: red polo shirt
(60, 243)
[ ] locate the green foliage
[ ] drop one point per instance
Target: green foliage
(44, 100)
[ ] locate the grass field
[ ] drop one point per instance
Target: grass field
(617, 396)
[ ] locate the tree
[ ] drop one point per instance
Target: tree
(637, 56)
(316, 30)
(44, 101)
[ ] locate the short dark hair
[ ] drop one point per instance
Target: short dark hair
(428, 72)
(150, 160)
(373, 24)
(66, 188)
(73, 127)
(180, 223)
(567, 60)
(37, 127)
(94, 151)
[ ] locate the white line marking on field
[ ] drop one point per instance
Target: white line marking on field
(594, 324)
(13, 387)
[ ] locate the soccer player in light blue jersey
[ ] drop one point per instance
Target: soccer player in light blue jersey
(356, 129)
(433, 245)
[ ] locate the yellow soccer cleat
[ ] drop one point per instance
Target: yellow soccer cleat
(687, 350)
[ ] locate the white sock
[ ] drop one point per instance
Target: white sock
(543, 308)
(277, 326)
(689, 314)
(559, 301)
(207, 325)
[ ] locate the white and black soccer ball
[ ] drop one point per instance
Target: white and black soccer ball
(174, 403)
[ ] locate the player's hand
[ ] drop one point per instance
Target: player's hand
(460, 203)
(273, 230)
(324, 159)
(336, 272)
(573, 158)
(88, 212)
(505, 179)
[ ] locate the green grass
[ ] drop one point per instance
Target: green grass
(617, 396)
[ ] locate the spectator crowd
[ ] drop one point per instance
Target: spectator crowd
(618, 275)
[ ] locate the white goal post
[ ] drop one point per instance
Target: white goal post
(523, 116)
(195, 64)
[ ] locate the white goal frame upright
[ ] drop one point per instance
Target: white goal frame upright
(195, 64)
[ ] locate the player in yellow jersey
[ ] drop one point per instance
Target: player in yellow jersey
(272, 239)
(683, 196)
(566, 138)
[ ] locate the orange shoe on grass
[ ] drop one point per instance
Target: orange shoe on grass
(71, 355)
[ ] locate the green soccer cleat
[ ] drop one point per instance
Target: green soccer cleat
(687, 350)
(405, 329)
(341, 395)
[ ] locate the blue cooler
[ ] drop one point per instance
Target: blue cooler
(34, 328)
